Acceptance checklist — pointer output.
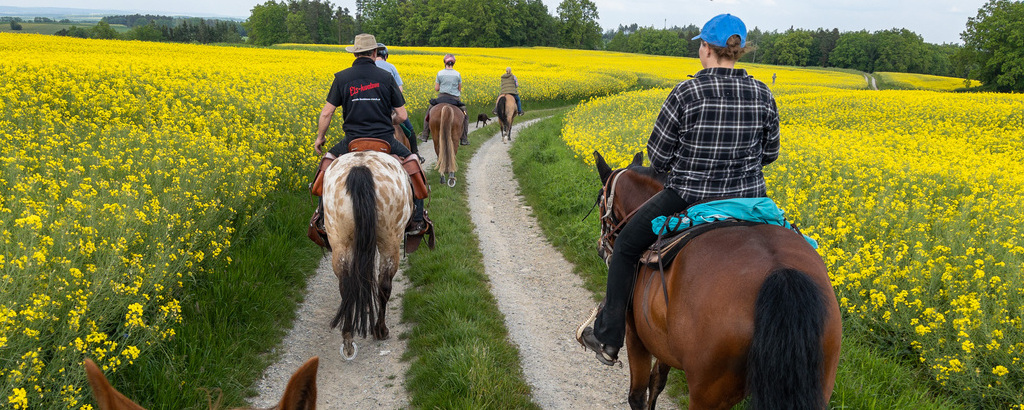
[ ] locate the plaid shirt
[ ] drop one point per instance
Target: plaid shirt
(714, 133)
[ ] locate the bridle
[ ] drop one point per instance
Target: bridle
(611, 226)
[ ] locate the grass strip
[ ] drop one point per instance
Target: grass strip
(561, 190)
(232, 318)
(459, 345)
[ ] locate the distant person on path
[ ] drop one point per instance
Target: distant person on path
(382, 62)
(449, 86)
(509, 85)
(773, 78)
(714, 134)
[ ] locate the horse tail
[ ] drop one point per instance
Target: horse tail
(358, 283)
(502, 112)
(786, 360)
(446, 158)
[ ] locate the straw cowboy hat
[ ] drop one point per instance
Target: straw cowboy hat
(363, 42)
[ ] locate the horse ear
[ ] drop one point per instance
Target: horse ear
(638, 160)
(603, 169)
(107, 398)
(301, 391)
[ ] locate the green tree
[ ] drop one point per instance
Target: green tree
(856, 50)
(298, 32)
(102, 30)
(148, 32)
(899, 50)
(993, 50)
(794, 48)
(578, 23)
(267, 23)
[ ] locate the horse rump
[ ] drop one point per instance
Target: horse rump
(358, 283)
(785, 364)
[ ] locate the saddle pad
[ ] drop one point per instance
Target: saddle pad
(662, 252)
(760, 210)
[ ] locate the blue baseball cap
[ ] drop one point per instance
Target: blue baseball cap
(718, 30)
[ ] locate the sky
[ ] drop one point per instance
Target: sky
(937, 21)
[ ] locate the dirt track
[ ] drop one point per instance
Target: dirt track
(542, 299)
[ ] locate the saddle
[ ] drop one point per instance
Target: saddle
(665, 249)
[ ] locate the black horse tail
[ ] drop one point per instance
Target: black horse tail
(786, 360)
(357, 283)
(501, 112)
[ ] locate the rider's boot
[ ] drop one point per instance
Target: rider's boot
(465, 129)
(418, 224)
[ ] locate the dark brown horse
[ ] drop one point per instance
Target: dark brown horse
(744, 310)
(506, 109)
(446, 129)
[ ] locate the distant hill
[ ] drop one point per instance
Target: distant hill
(78, 14)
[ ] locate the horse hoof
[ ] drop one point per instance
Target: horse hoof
(349, 352)
(442, 180)
(451, 180)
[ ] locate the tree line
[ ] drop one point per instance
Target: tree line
(897, 50)
(162, 28)
(468, 23)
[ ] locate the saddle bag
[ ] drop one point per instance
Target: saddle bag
(316, 230)
(317, 187)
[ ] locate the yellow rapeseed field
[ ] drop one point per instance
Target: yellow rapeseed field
(127, 166)
(916, 199)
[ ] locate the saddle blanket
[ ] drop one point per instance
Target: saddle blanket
(759, 210)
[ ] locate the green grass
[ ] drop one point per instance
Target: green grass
(561, 189)
(459, 347)
(233, 318)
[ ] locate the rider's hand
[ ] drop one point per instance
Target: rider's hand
(318, 145)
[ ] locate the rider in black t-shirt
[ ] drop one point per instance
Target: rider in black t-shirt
(367, 95)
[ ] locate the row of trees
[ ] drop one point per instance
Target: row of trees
(183, 30)
(473, 23)
(302, 21)
(898, 50)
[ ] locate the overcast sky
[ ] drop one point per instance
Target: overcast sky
(938, 21)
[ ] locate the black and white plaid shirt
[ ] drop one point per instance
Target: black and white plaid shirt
(714, 133)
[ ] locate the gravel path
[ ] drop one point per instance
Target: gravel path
(542, 299)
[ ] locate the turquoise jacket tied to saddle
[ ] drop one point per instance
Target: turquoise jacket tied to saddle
(761, 210)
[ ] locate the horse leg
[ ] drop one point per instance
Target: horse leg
(388, 267)
(659, 376)
(639, 368)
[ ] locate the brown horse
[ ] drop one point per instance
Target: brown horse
(506, 109)
(367, 204)
(400, 136)
(743, 310)
(300, 394)
(446, 130)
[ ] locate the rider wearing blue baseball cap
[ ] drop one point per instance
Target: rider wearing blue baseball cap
(718, 30)
(712, 137)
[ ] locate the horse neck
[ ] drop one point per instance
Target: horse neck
(633, 190)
